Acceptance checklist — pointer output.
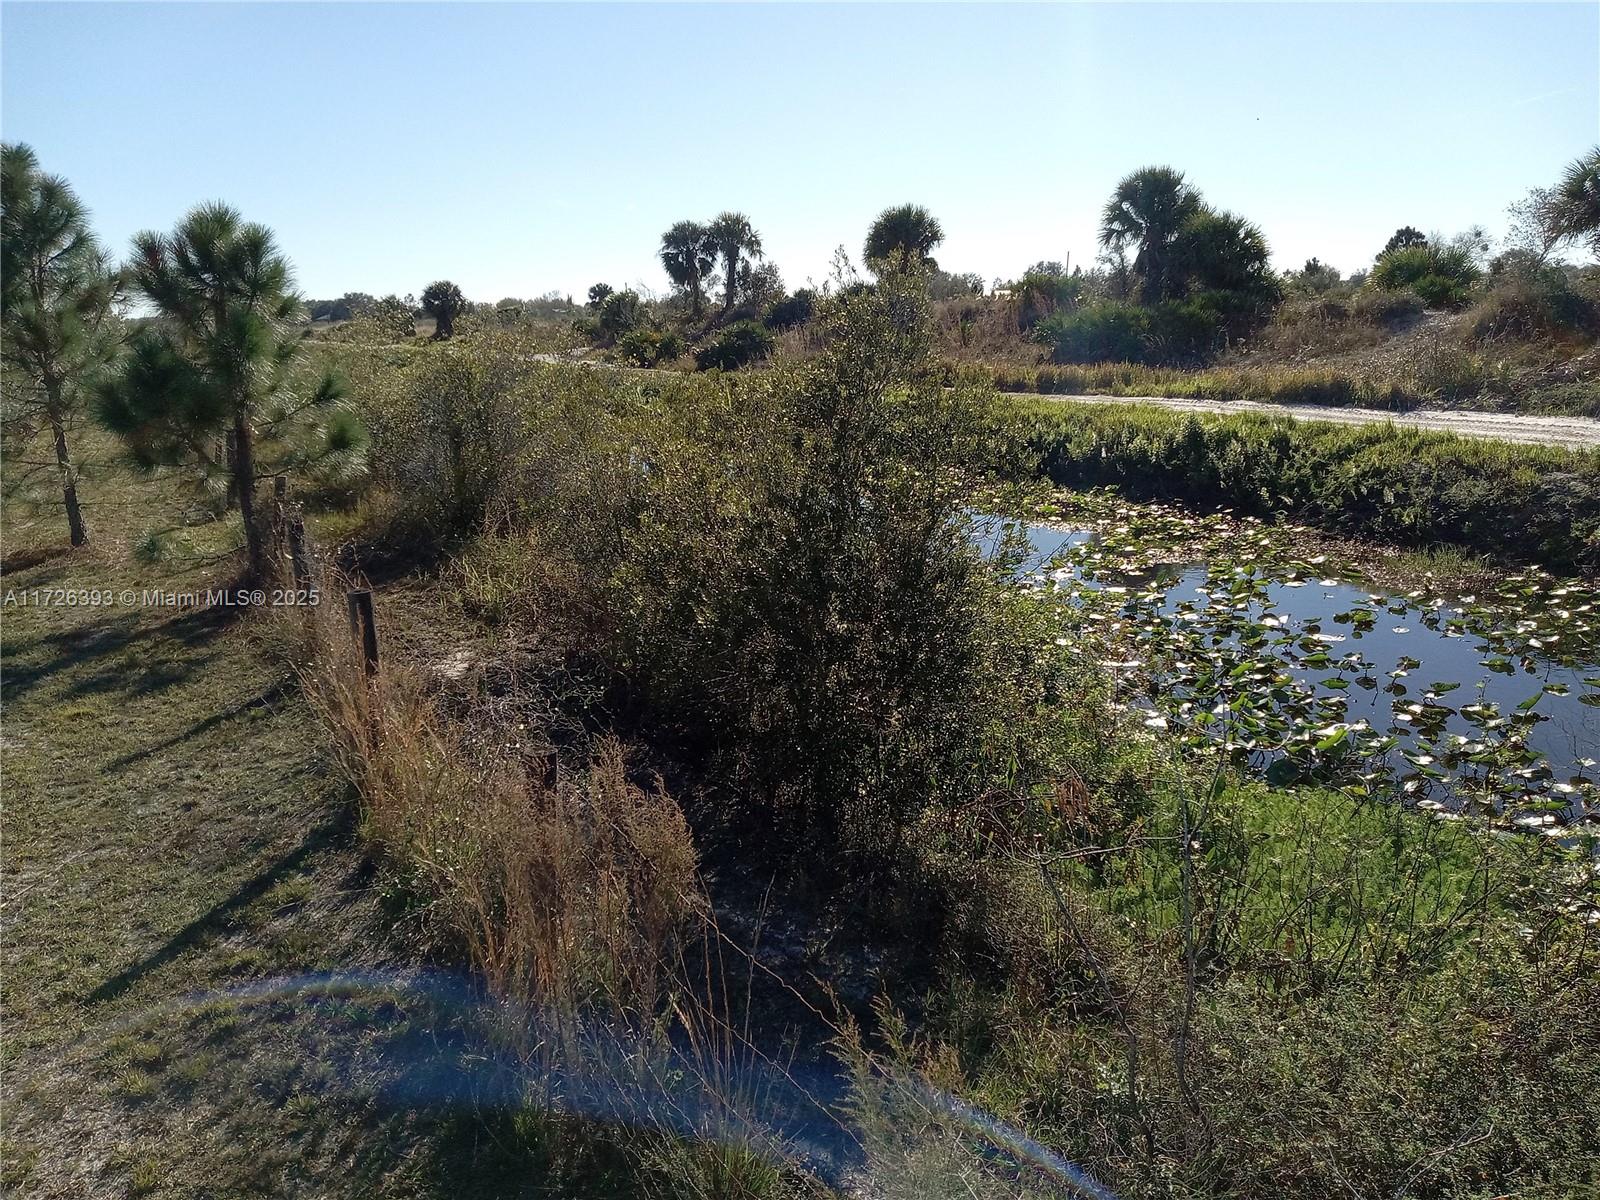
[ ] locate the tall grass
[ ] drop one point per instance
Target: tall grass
(574, 897)
(569, 889)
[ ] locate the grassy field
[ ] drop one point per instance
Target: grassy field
(175, 855)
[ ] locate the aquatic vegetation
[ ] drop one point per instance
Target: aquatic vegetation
(1221, 632)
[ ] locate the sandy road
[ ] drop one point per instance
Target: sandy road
(1568, 432)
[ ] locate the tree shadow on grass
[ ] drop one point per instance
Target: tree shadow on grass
(264, 699)
(64, 650)
(326, 834)
(29, 557)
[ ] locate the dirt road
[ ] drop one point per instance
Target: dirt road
(1569, 432)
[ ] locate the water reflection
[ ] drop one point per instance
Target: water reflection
(1412, 670)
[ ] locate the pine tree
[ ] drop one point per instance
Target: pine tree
(56, 312)
(217, 382)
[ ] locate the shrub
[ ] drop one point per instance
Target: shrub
(1537, 304)
(1109, 331)
(1192, 330)
(1408, 488)
(649, 347)
(1387, 309)
(619, 313)
(737, 346)
(804, 601)
(791, 310)
(1439, 291)
(446, 438)
(1042, 290)
(1173, 331)
(1441, 276)
(1315, 278)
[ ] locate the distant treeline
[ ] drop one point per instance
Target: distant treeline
(550, 306)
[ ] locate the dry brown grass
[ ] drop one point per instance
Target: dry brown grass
(575, 897)
(567, 889)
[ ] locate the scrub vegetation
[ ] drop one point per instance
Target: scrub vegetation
(1400, 487)
(736, 807)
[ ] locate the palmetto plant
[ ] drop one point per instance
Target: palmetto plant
(214, 382)
(1220, 251)
(734, 237)
(902, 235)
(1145, 214)
(55, 312)
(689, 254)
(442, 300)
(1573, 207)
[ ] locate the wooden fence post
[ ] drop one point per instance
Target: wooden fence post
(363, 627)
(279, 531)
(299, 557)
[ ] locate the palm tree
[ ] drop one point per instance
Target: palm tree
(1145, 214)
(902, 235)
(442, 300)
(56, 308)
(689, 254)
(1573, 208)
(214, 382)
(733, 236)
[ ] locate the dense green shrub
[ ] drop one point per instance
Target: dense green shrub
(737, 346)
(1316, 278)
(1173, 331)
(791, 310)
(1109, 331)
(1194, 329)
(447, 432)
(620, 313)
(1440, 291)
(1044, 288)
(1440, 276)
(1407, 488)
(649, 347)
(802, 596)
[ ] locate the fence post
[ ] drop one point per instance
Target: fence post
(280, 521)
(363, 627)
(299, 557)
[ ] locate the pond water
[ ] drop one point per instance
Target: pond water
(1460, 706)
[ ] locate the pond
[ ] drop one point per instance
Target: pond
(1487, 704)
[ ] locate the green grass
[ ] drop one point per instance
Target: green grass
(171, 831)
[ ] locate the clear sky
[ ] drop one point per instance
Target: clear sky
(519, 148)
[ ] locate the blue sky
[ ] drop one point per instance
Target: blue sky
(520, 148)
